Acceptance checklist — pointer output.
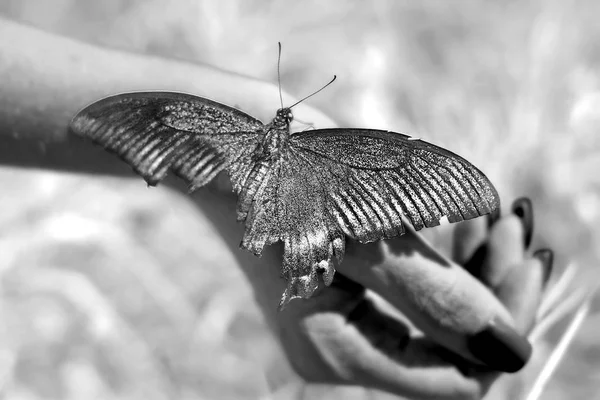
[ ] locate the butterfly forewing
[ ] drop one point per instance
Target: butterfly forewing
(374, 176)
(156, 131)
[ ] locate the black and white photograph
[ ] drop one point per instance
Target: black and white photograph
(299, 200)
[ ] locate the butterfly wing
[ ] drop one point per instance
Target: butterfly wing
(153, 132)
(361, 183)
(382, 169)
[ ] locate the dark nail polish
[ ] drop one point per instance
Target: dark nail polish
(546, 256)
(523, 209)
(500, 347)
(475, 264)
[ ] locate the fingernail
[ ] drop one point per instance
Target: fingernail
(546, 256)
(500, 347)
(523, 209)
(476, 263)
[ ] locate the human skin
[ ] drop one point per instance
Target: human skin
(340, 335)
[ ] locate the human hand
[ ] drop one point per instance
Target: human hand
(470, 326)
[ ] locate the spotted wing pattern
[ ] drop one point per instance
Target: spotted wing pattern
(155, 132)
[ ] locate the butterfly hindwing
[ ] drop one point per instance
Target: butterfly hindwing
(156, 131)
(304, 222)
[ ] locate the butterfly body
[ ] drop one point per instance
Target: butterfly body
(307, 189)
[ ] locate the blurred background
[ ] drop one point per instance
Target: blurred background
(109, 290)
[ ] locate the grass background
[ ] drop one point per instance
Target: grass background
(110, 290)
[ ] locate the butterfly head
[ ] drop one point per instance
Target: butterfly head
(284, 117)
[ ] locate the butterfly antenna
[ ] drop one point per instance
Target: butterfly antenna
(312, 94)
(279, 74)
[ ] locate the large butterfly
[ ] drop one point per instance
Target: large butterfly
(307, 189)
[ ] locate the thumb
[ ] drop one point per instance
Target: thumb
(442, 299)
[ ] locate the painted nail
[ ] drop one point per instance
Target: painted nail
(546, 256)
(500, 347)
(476, 263)
(523, 209)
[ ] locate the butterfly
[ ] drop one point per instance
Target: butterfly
(306, 189)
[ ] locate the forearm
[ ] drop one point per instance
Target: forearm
(45, 79)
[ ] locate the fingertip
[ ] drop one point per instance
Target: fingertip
(500, 347)
(523, 209)
(546, 257)
(505, 250)
(521, 292)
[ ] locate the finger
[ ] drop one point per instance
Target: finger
(469, 242)
(507, 242)
(521, 291)
(470, 246)
(441, 298)
(468, 236)
(523, 209)
(522, 283)
(368, 347)
(476, 264)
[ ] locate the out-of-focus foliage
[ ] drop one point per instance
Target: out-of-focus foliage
(111, 290)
